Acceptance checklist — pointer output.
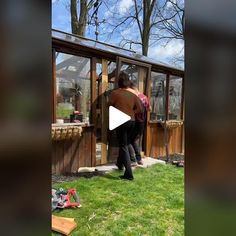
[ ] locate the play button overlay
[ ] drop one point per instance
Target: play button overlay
(117, 118)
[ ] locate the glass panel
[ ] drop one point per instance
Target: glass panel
(111, 86)
(175, 98)
(72, 87)
(105, 47)
(158, 96)
(98, 113)
(137, 74)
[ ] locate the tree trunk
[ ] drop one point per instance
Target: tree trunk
(74, 17)
(78, 26)
(146, 26)
(145, 42)
(83, 17)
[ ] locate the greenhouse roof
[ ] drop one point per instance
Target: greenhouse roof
(110, 49)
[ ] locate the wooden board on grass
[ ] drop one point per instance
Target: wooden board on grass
(63, 225)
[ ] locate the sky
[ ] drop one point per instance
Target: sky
(158, 51)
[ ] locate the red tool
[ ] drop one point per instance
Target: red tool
(63, 198)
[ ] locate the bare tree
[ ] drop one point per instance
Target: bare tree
(155, 22)
(171, 24)
(78, 24)
(142, 13)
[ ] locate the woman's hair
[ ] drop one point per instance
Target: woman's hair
(133, 84)
(123, 81)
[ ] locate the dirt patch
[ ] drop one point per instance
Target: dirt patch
(75, 176)
(172, 157)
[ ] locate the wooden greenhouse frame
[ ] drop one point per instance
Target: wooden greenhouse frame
(70, 154)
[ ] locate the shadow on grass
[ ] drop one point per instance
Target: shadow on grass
(109, 176)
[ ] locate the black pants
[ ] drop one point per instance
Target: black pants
(136, 139)
(124, 135)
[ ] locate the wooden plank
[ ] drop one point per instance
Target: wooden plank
(182, 101)
(93, 110)
(93, 146)
(53, 157)
(57, 158)
(80, 151)
(63, 225)
(147, 132)
(167, 96)
(54, 102)
(183, 140)
(83, 152)
(67, 156)
(104, 85)
(67, 218)
(87, 151)
(134, 62)
(182, 117)
(118, 67)
(141, 78)
(74, 154)
(60, 154)
(148, 151)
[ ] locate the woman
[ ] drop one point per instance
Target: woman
(129, 103)
(140, 120)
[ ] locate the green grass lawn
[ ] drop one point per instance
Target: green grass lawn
(152, 204)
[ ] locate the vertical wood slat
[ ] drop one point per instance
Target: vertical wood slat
(118, 67)
(141, 80)
(167, 96)
(104, 111)
(59, 157)
(80, 151)
(53, 158)
(67, 155)
(74, 162)
(147, 132)
(87, 151)
(182, 100)
(157, 137)
(93, 110)
(183, 139)
(54, 86)
(182, 116)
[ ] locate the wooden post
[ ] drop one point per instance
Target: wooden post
(104, 111)
(54, 84)
(182, 116)
(141, 77)
(93, 109)
(166, 132)
(118, 67)
(147, 132)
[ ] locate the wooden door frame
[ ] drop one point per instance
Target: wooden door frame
(104, 109)
(147, 88)
(121, 60)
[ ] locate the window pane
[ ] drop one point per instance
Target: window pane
(137, 74)
(175, 98)
(158, 96)
(72, 86)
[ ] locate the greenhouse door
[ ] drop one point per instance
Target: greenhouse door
(99, 108)
(140, 73)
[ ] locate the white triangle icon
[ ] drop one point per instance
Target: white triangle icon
(116, 117)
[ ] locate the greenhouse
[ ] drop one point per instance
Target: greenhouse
(84, 73)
